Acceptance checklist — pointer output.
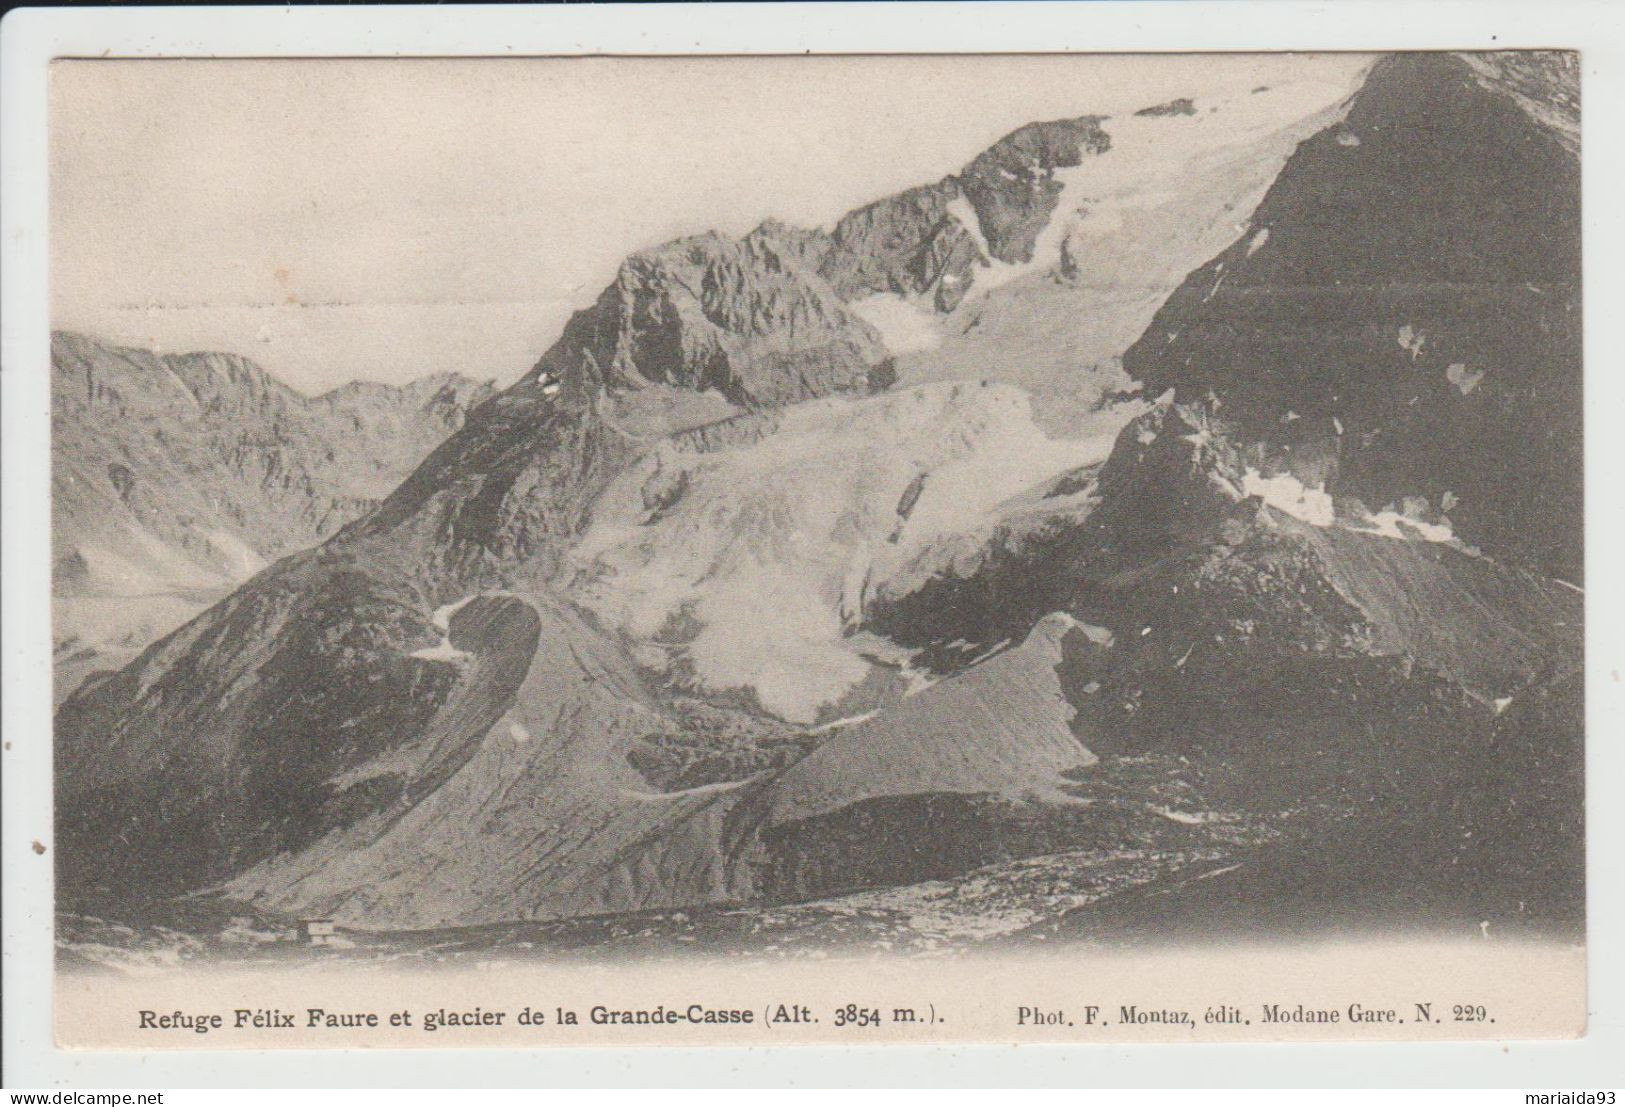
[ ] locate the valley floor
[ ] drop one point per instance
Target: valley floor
(1323, 872)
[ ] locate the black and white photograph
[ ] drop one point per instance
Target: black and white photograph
(984, 542)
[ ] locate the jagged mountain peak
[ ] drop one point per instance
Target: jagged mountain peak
(933, 239)
(1013, 187)
(442, 387)
(763, 319)
(741, 317)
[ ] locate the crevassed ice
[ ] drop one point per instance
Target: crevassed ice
(762, 564)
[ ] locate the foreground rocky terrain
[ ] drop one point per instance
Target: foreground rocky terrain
(752, 617)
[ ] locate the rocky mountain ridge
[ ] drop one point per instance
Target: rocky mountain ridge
(718, 605)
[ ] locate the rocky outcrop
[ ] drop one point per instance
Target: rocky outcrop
(1013, 186)
(931, 240)
(742, 317)
(1182, 105)
(910, 243)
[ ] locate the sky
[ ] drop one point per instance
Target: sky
(385, 219)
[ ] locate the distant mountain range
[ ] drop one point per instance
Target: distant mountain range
(1196, 486)
(176, 477)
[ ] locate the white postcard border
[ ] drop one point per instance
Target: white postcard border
(32, 37)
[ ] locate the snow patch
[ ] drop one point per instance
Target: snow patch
(445, 651)
(1392, 524)
(1287, 494)
(1258, 241)
(965, 215)
(918, 681)
(441, 619)
(1464, 379)
(904, 327)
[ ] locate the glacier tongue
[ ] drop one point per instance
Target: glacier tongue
(753, 574)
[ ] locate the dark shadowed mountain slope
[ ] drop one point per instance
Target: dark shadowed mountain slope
(1404, 319)
(1369, 684)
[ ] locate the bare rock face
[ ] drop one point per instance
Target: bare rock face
(498, 500)
(1182, 105)
(908, 243)
(741, 317)
(931, 240)
(192, 444)
(1012, 185)
(1404, 318)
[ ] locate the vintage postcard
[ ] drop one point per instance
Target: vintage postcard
(632, 551)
